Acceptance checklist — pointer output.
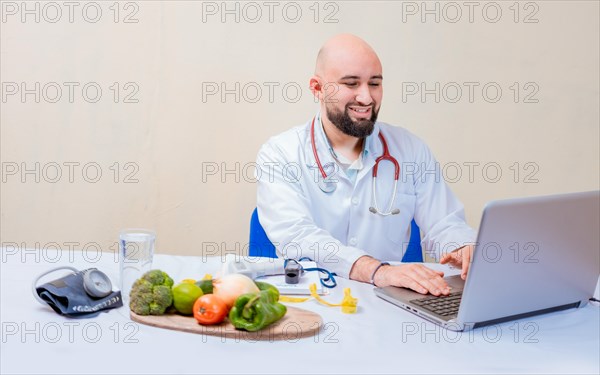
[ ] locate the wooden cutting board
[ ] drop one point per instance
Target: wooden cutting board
(297, 323)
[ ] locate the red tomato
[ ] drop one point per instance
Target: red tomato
(210, 309)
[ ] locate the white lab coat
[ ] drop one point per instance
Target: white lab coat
(335, 229)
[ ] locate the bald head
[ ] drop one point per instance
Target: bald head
(348, 83)
(344, 51)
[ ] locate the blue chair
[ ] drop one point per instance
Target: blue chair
(261, 246)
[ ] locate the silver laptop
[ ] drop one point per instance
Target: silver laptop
(533, 256)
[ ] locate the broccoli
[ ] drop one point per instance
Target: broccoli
(151, 294)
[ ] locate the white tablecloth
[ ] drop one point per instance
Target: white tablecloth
(379, 338)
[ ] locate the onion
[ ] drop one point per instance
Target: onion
(230, 287)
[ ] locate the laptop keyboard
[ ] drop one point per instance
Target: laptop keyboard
(442, 305)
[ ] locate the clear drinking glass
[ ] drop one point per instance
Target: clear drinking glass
(136, 249)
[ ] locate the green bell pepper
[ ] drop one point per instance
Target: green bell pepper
(254, 311)
(266, 286)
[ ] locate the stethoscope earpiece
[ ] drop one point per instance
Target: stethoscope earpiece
(395, 211)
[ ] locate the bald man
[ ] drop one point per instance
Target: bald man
(316, 198)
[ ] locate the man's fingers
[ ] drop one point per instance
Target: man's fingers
(466, 261)
(465, 269)
(414, 285)
(454, 258)
(430, 287)
(420, 279)
(423, 286)
(431, 280)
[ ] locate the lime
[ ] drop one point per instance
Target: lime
(206, 285)
(184, 296)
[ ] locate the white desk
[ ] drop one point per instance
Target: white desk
(379, 338)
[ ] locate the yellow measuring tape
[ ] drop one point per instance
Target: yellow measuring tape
(348, 303)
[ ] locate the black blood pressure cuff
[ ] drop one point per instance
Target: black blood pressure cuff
(68, 297)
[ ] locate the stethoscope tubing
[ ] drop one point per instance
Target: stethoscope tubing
(384, 156)
(314, 148)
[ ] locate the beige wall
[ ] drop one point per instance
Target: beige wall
(171, 134)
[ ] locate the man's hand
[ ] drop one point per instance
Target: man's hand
(460, 258)
(413, 276)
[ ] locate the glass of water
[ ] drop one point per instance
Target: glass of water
(136, 249)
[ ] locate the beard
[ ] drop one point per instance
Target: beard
(354, 128)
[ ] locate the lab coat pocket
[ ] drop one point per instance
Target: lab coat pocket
(398, 226)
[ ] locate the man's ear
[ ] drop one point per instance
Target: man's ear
(316, 87)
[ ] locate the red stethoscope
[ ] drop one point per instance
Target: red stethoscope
(328, 186)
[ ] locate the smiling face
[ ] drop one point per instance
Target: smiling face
(348, 82)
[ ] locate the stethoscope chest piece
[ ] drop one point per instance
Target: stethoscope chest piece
(326, 185)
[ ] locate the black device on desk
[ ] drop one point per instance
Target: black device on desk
(293, 271)
(78, 294)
